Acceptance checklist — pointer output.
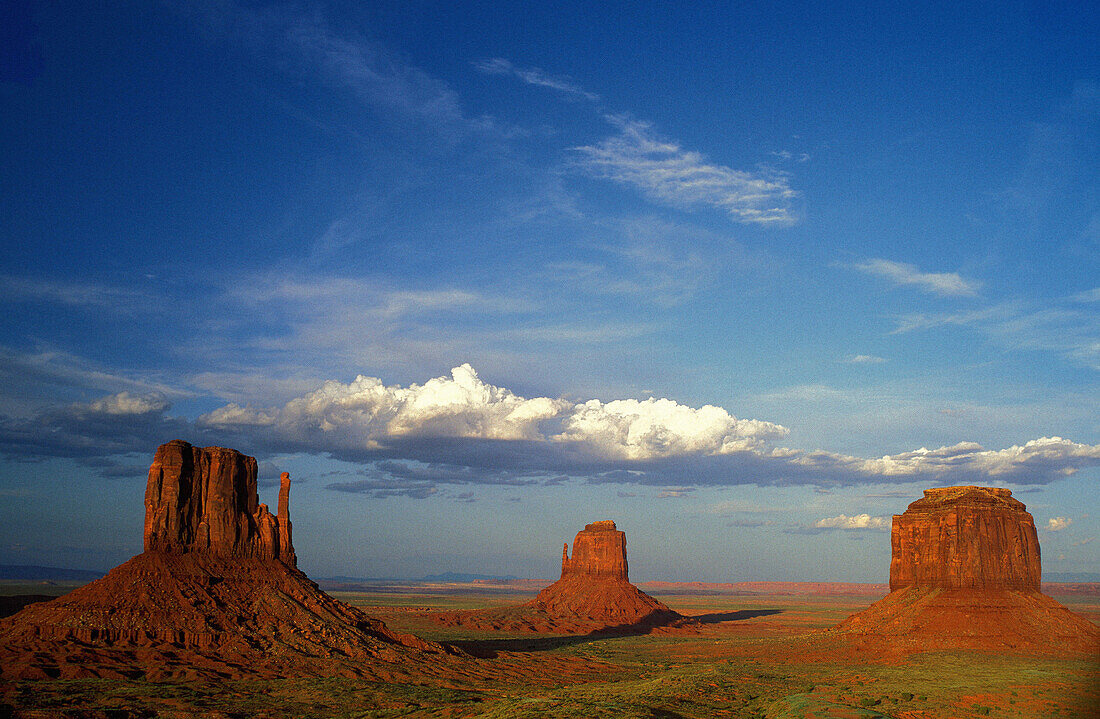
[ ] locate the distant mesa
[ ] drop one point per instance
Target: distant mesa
(594, 594)
(216, 593)
(965, 574)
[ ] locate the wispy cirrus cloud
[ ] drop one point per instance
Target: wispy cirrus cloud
(948, 284)
(1092, 295)
(1062, 326)
(666, 172)
(535, 76)
(308, 46)
(662, 169)
(59, 292)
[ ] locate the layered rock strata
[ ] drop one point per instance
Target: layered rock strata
(965, 574)
(216, 593)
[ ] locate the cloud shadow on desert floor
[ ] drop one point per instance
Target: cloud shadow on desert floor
(488, 648)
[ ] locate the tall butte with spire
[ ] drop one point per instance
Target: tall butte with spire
(216, 593)
(965, 573)
(595, 586)
(203, 500)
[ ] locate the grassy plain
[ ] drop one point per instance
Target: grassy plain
(755, 656)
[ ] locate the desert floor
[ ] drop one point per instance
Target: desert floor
(754, 656)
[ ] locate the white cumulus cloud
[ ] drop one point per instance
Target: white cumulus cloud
(654, 441)
(1057, 524)
(643, 429)
(1050, 455)
(859, 521)
(366, 411)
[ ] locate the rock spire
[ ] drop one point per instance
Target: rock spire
(215, 594)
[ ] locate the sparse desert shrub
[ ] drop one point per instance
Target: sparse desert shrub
(906, 697)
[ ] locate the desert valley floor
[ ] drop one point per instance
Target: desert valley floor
(754, 654)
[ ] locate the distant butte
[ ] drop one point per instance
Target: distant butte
(965, 574)
(216, 594)
(594, 594)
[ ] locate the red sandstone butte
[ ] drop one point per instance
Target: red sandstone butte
(204, 499)
(599, 550)
(964, 574)
(594, 586)
(216, 594)
(965, 538)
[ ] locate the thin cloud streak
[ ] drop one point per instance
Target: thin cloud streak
(1062, 326)
(669, 174)
(947, 284)
(535, 76)
(72, 294)
(865, 359)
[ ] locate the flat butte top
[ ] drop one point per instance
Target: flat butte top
(948, 497)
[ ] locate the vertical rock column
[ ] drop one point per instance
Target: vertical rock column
(286, 546)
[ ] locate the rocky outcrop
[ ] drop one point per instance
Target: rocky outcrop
(964, 574)
(965, 538)
(203, 499)
(215, 594)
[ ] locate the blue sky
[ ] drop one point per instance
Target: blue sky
(745, 280)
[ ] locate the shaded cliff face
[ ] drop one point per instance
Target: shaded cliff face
(965, 538)
(203, 499)
(599, 550)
